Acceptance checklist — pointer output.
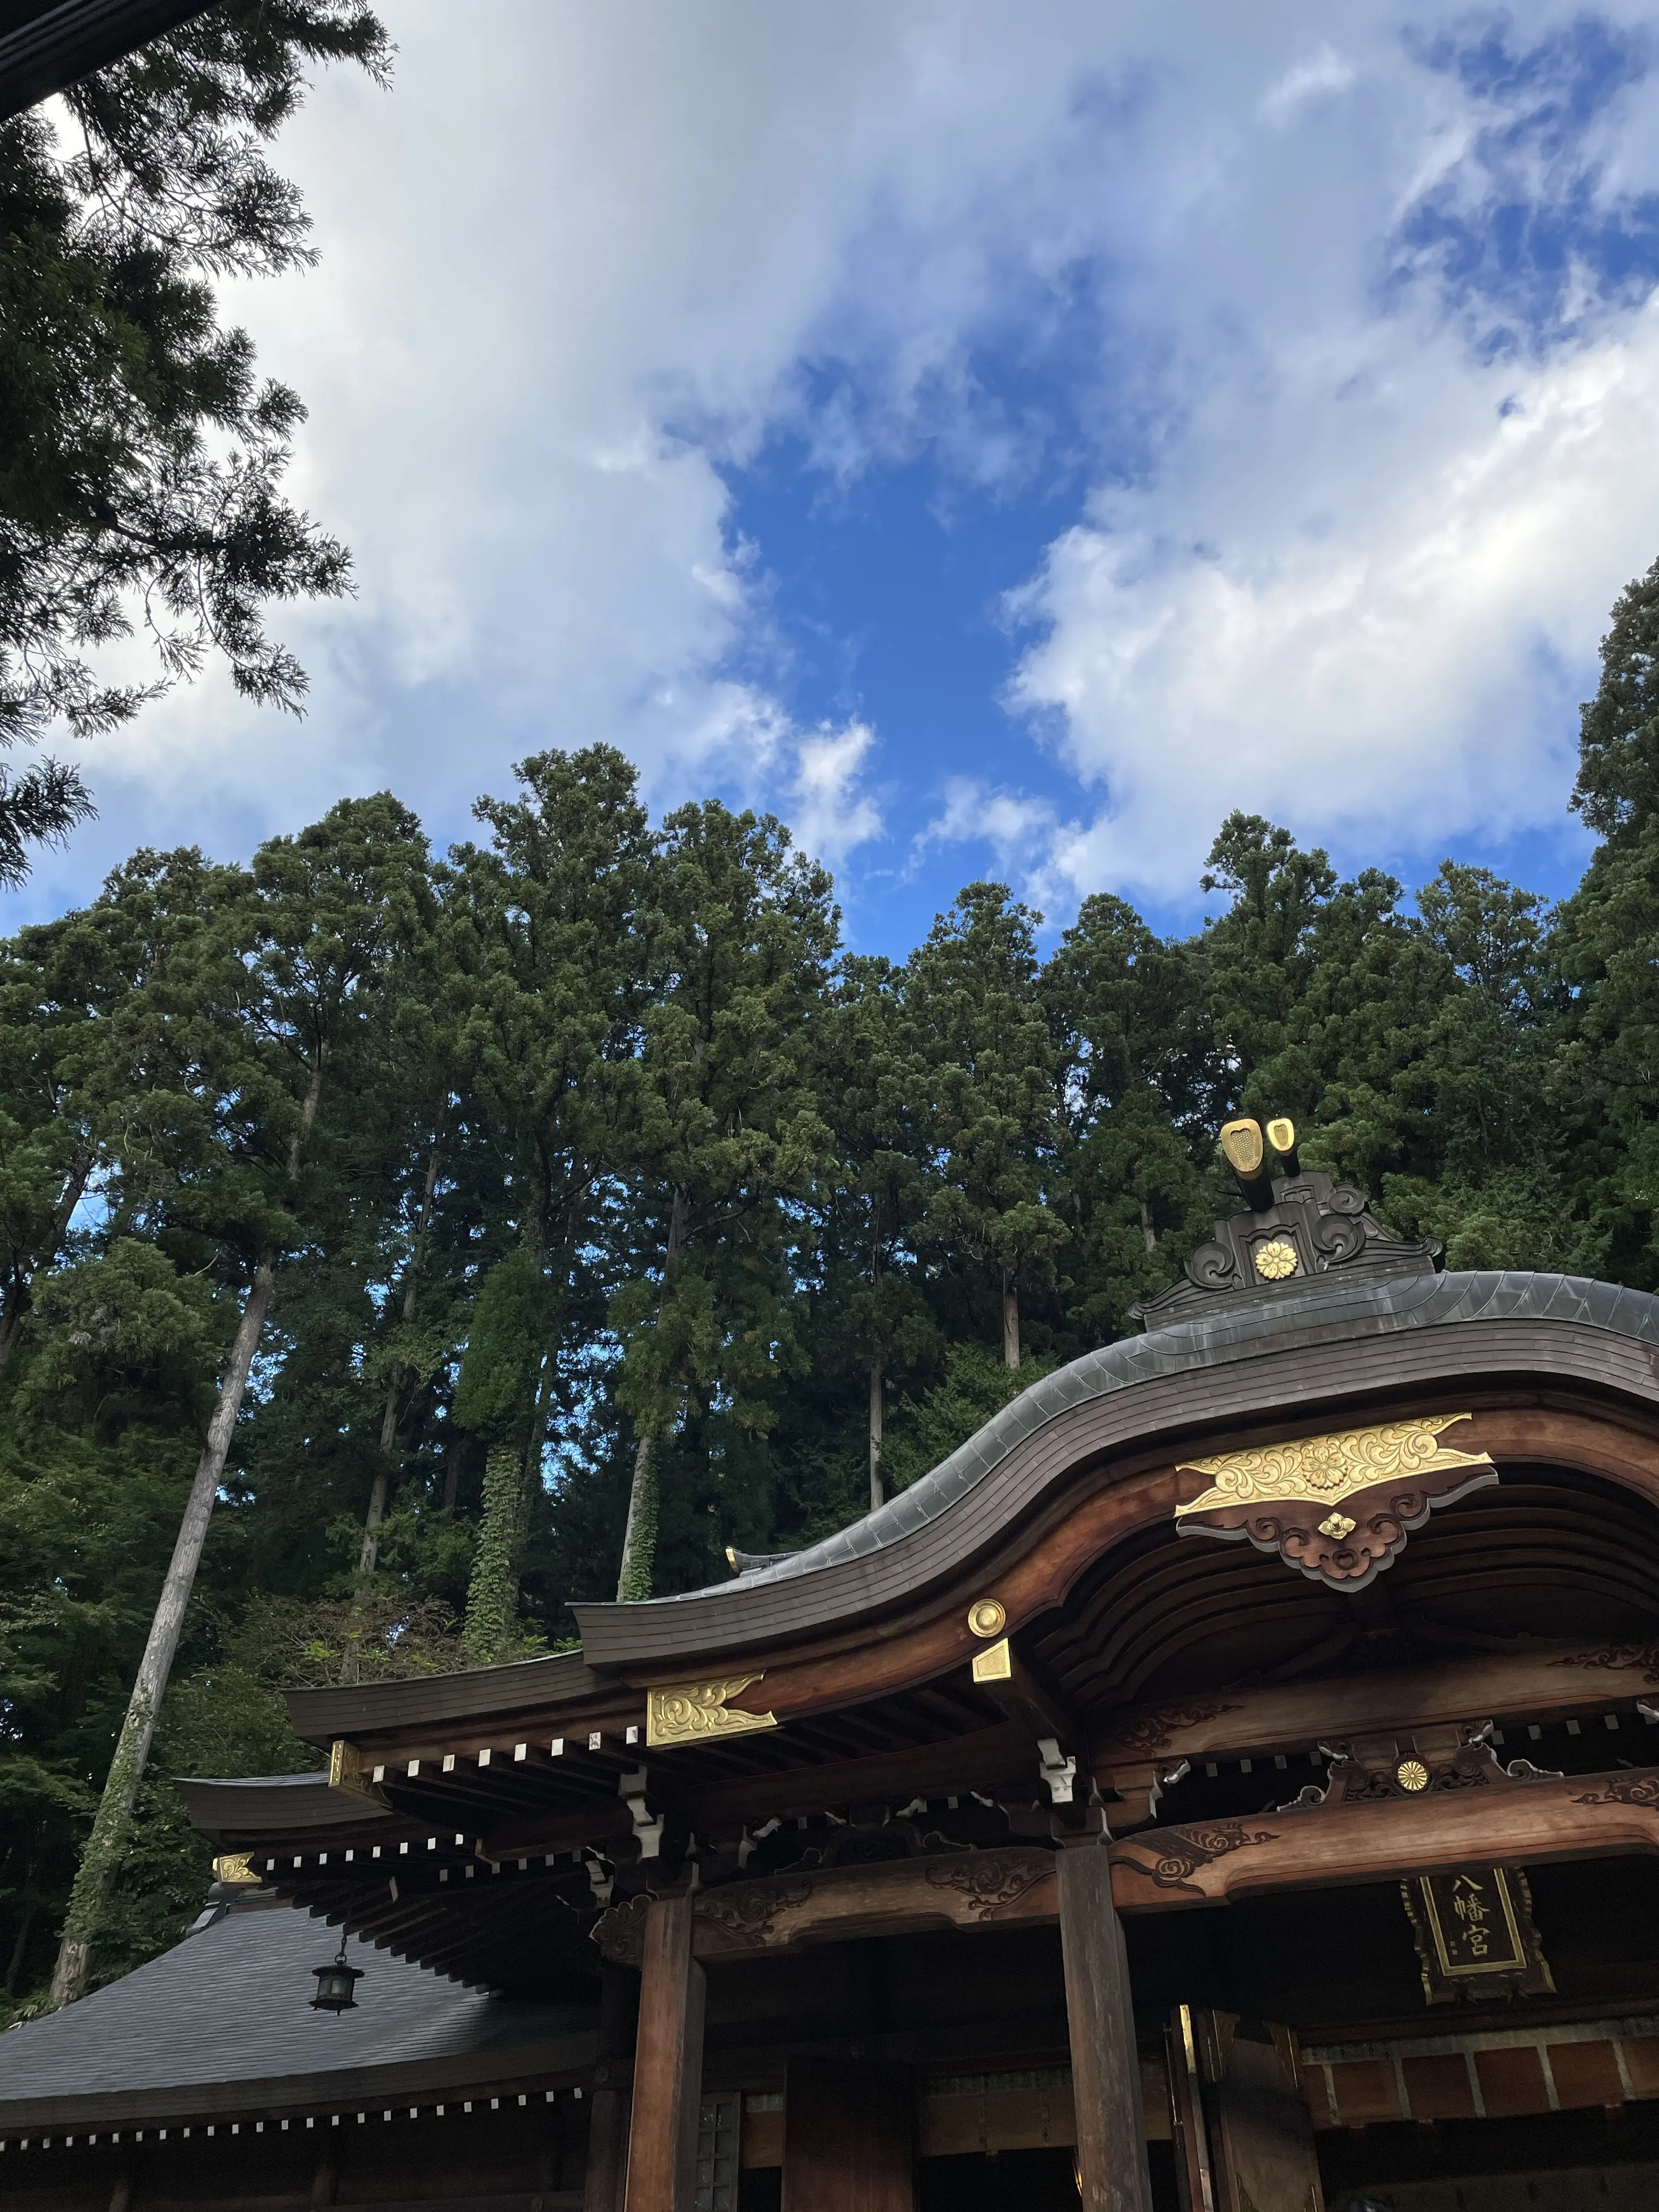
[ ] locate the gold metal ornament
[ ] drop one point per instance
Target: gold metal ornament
(1324, 1470)
(1338, 1525)
(1241, 1144)
(1411, 1775)
(1275, 1259)
(345, 1774)
(995, 1664)
(235, 1870)
(1281, 1133)
(986, 1617)
(695, 1712)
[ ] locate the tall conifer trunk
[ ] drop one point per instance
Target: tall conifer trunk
(1010, 1320)
(106, 1847)
(378, 1495)
(877, 1493)
(638, 1557)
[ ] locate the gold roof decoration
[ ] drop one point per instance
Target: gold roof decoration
(1324, 1470)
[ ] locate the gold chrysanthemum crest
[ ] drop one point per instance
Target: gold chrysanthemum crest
(1324, 1470)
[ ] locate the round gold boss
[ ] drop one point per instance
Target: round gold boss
(1411, 1775)
(987, 1617)
(1275, 1259)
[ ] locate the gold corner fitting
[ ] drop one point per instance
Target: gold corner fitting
(995, 1664)
(235, 1870)
(345, 1774)
(697, 1712)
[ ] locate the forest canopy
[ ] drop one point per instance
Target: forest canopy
(612, 1212)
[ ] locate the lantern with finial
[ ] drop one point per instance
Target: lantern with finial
(335, 1982)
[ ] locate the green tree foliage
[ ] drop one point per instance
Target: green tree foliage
(141, 456)
(609, 1215)
(979, 1027)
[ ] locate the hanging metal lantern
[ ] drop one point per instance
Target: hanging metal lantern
(335, 1983)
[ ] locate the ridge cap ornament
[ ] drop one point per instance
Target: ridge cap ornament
(1286, 1497)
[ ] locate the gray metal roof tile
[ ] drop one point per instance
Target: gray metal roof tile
(232, 2003)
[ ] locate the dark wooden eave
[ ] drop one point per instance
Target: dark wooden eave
(46, 47)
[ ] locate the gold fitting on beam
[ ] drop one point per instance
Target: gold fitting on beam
(235, 1870)
(694, 1712)
(1281, 1133)
(345, 1773)
(995, 1664)
(986, 1617)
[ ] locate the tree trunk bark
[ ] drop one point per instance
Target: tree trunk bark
(105, 1846)
(638, 1557)
(14, 1306)
(878, 1494)
(20, 1948)
(379, 1495)
(1010, 1321)
(1148, 1234)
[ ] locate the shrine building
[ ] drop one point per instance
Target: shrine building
(1230, 1783)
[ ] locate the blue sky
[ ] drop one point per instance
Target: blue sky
(1001, 441)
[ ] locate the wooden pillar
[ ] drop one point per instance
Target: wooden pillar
(662, 2136)
(605, 2172)
(849, 2136)
(1111, 2133)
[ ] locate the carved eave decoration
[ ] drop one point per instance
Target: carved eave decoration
(700, 1713)
(1337, 1508)
(1311, 1226)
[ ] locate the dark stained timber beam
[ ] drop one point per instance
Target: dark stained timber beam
(1514, 1823)
(1026, 1697)
(1539, 1684)
(662, 2143)
(1111, 2143)
(979, 1758)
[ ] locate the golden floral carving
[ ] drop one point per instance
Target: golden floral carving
(1324, 1470)
(1275, 1259)
(695, 1712)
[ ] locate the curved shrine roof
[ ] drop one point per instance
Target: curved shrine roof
(1227, 1362)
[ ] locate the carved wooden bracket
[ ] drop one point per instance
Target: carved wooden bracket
(1337, 1508)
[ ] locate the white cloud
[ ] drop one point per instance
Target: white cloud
(1019, 828)
(830, 814)
(1324, 72)
(1362, 611)
(573, 271)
